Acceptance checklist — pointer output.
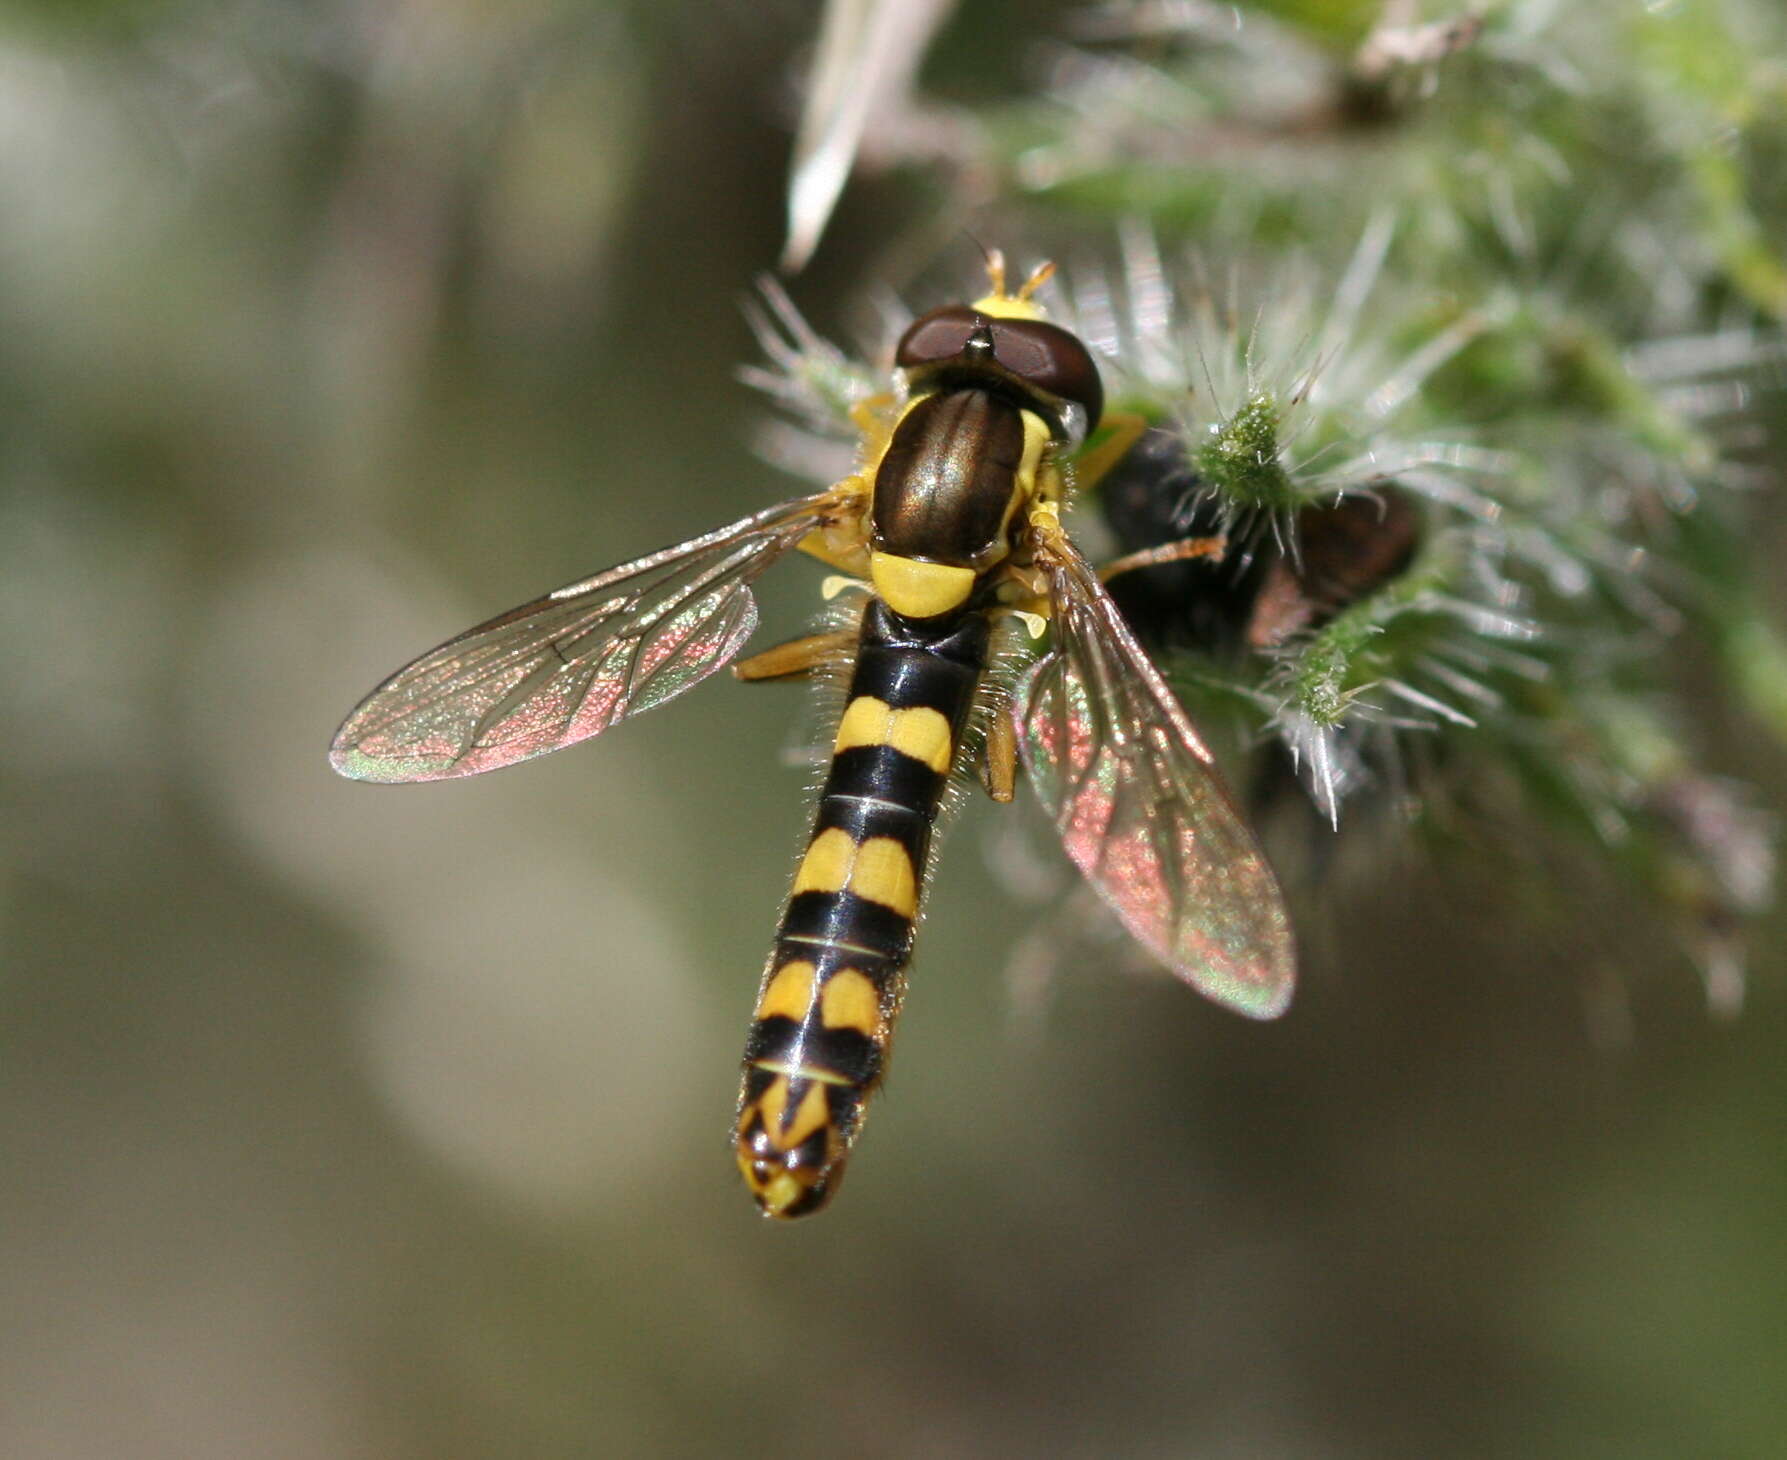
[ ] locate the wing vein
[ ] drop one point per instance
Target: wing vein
(570, 664)
(1139, 805)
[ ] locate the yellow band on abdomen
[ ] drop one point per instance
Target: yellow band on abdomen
(920, 732)
(879, 869)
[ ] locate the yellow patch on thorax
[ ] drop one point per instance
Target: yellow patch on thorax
(917, 589)
(1036, 441)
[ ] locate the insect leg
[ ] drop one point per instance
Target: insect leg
(1184, 550)
(797, 658)
(999, 756)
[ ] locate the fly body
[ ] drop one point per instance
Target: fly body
(954, 521)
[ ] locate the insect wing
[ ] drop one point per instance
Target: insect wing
(1140, 806)
(569, 665)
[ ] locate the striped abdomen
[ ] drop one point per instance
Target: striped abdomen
(834, 979)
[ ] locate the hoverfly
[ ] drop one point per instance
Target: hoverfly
(952, 524)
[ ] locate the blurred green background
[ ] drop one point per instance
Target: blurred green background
(343, 1121)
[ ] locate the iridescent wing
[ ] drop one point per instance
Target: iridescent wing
(1139, 804)
(569, 665)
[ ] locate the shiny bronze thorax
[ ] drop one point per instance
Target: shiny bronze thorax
(943, 490)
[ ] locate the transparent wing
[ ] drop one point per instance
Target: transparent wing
(1139, 805)
(569, 665)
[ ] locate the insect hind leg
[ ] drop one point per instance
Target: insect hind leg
(798, 658)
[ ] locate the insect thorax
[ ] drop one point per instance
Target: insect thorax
(944, 487)
(960, 464)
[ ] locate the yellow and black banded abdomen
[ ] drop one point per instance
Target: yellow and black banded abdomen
(819, 1041)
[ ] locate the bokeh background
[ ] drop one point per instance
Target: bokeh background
(343, 1121)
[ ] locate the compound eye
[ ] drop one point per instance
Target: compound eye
(1051, 359)
(940, 335)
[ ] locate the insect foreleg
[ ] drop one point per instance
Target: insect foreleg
(1181, 551)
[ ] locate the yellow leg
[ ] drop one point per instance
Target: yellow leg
(798, 657)
(1118, 432)
(871, 414)
(1182, 551)
(999, 756)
